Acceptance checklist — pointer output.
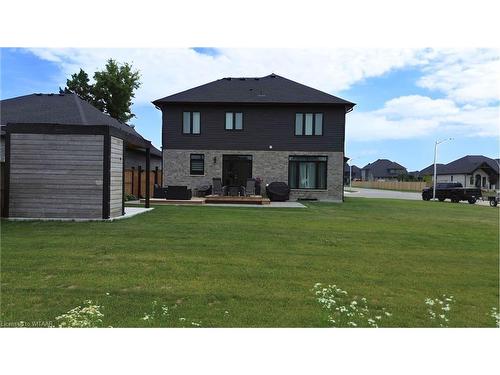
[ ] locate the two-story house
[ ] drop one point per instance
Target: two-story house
(268, 127)
(382, 170)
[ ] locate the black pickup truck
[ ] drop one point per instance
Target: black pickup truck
(453, 191)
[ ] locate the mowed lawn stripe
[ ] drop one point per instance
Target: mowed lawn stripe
(258, 264)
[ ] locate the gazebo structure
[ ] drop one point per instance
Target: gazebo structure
(68, 161)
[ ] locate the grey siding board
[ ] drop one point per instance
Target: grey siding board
(263, 125)
(51, 177)
(116, 177)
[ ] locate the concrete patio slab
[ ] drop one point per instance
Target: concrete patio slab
(270, 205)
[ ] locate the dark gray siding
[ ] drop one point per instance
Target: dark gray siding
(263, 125)
(56, 176)
(2, 148)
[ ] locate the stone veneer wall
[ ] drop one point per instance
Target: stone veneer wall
(268, 165)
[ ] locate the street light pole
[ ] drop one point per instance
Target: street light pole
(435, 167)
(350, 175)
(350, 172)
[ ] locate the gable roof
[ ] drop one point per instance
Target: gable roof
(468, 164)
(64, 109)
(269, 89)
(356, 171)
(381, 167)
(430, 169)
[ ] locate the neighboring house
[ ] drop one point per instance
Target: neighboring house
(427, 171)
(470, 171)
(382, 170)
(64, 158)
(268, 127)
(353, 171)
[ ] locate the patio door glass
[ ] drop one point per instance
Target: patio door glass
(236, 169)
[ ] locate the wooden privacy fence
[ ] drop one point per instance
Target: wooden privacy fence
(135, 181)
(392, 185)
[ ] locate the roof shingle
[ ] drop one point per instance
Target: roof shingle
(269, 89)
(64, 109)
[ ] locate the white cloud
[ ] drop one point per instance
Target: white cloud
(468, 79)
(465, 76)
(167, 71)
(416, 116)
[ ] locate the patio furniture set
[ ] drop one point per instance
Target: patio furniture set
(218, 193)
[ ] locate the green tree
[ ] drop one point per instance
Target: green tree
(79, 84)
(112, 90)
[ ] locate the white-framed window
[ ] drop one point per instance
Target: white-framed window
(309, 124)
(234, 121)
(191, 123)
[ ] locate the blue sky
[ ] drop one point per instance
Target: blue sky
(405, 98)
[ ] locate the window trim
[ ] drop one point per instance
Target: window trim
(190, 123)
(233, 129)
(303, 130)
(191, 165)
(317, 171)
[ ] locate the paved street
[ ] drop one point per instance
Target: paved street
(376, 193)
(391, 194)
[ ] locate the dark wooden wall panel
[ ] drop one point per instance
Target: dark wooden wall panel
(262, 126)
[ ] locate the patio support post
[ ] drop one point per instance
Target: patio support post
(148, 175)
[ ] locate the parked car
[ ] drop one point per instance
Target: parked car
(453, 191)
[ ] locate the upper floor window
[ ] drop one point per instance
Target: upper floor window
(197, 164)
(191, 122)
(234, 121)
(308, 124)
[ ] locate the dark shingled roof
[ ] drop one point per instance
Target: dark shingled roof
(468, 164)
(64, 109)
(464, 165)
(356, 171)
(430, 170)
(269, 89)
(380, 168)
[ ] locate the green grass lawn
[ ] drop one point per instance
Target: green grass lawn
(255, 267)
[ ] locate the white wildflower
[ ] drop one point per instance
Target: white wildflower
(82, 317)
(495, 315)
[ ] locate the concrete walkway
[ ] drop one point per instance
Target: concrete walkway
(131, 212)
